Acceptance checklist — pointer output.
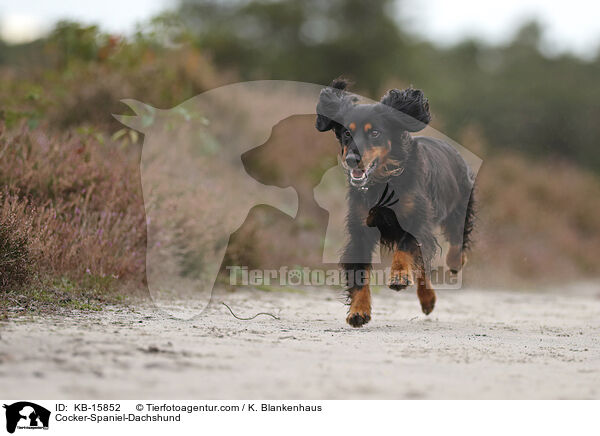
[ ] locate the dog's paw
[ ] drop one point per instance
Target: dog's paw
(358, 319)
(427, 308)
(427, 302)
(456, 259)
(400, 280)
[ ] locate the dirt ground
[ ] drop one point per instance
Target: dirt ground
(476, 344)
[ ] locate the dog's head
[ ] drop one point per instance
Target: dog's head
(373, 137)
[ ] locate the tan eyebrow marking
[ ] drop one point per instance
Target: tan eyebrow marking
(368, 127)
(352, 126)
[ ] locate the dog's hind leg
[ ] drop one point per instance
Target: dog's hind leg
(452, 227)
(457, 228)
(456, 258)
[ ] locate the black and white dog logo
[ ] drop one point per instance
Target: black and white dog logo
(26, 415)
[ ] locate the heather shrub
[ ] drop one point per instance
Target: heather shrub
(74, 205)
(15, 262)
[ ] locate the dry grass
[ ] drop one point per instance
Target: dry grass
(538, 222)
(15, 263)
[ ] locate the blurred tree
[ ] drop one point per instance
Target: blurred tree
(72, 41)
(312, 40)
(518, 96)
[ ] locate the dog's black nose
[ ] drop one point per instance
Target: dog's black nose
(352, 159)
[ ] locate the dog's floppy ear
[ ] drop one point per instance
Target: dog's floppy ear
(330, 102)
(411, 102)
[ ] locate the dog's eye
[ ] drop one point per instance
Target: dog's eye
(375, 133)
(347, 134)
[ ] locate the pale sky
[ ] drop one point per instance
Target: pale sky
(23, 20)
(572, 25)
(569, 24)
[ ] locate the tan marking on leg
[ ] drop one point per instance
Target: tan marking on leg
(425, 293)
(360, 307)
(402, 271)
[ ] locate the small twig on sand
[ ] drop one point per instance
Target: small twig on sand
(248, 319)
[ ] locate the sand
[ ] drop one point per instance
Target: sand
(476, 344)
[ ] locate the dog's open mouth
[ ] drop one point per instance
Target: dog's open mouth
(360, 177)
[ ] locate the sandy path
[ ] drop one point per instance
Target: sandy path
(476, 344)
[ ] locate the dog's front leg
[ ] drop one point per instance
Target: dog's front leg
(404, 263)
(360, 304)
(356, 262)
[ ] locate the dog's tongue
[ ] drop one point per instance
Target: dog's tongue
(357, 173)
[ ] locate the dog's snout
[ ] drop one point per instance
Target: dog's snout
(352, 159)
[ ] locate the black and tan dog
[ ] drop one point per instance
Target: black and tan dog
(403, 186)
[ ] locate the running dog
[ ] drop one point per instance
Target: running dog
(403, 186)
